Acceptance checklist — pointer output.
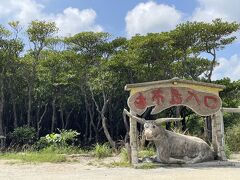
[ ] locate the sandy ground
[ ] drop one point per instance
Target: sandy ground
(83, 170)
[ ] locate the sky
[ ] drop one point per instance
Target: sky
(128, 17)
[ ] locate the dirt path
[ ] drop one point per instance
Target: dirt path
(83, 171)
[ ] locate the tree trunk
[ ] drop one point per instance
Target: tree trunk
(67, 118)
(40, 120)
(86, 127)
(208, 121)
(104, 124)
(62, 116)
(91, 115)
(15, 122)
(106, 132)
(53, 114)
(1, 107)
(104, 119)
(177, 115)
(126, 126)
(208, 129)
(38, 117)
(86, 119)
(212, 64)
(29, 105)
(183, 115)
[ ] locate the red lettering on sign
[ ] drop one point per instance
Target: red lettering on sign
(191, 95)
(176, 97)
(140, 101)
(214, 101)
(157, 96)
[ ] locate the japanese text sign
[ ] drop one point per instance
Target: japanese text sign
(202, 103)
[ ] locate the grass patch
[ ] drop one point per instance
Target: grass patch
(63, 150)
(120, 164)
(52, 154)
(124, 155)
(146, 153)
(101, 151)
(227, 150)
(233, 138)
(35, 157)
(146, 166)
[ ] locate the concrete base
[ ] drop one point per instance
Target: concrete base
(215, 163)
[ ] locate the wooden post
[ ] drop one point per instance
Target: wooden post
(222, 137)
(214, 136)
(218, 135)
(133, 140)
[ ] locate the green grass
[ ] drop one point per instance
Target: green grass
(124, 155)
(34, 157)
(53, 154)
(101, 151)
(146, 166)
(146, 153)
(227, 150)
(63, 150)
(120, 164)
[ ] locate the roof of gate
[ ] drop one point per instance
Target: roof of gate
(175, 82)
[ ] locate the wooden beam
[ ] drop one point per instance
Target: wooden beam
(231, 110)
(173, 81)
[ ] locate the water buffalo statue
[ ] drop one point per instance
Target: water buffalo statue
(174, 148)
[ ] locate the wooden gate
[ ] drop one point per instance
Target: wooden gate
(202, 98)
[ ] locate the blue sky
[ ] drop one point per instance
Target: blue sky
(128, 17)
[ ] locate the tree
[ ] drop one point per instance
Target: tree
(39, 33)
(231, 98)
(9, 52)
(15, 47)
(191, 39)
(78, 82)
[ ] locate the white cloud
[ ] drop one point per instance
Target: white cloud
(151, 17)
(70, 21)
(23, 11)
(211, 9)
(228, 68)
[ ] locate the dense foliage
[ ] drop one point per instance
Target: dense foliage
(63, 139)
(22, 136)
(233, 137)
(77, 82)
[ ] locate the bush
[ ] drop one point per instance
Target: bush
(41, 143)
(64, 139)
(68, 137)
(22, 136)
(233, 138)
(231, 119)
(102, 151)
(195, 125)
(227, 150)
(53, 138)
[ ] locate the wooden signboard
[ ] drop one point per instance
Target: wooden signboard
(161, 98)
